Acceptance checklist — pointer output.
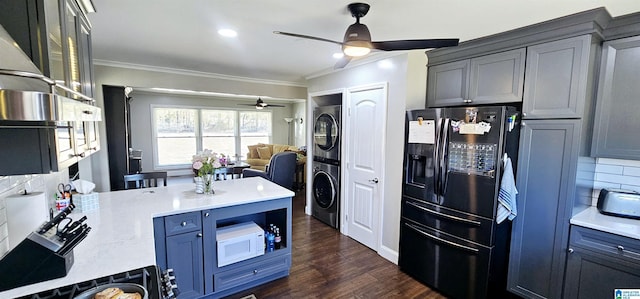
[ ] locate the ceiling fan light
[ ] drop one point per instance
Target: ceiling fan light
(355, 51)
(258, 107)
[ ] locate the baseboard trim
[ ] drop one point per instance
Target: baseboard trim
(389, 254)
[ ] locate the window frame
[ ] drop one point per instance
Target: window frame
(199, 131)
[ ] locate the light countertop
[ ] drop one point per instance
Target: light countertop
(121, 238)
(591, 218)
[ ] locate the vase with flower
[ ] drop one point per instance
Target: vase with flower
(204, 165)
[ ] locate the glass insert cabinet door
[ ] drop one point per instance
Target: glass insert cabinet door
(325, 131)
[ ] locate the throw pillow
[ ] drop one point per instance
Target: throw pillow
(253, 151)
(264, 152)
(279, 148)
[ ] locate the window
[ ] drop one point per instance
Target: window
(175, 135)
(182, 132)
(255, 127)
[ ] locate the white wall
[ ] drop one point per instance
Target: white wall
(147, 77)
(406, 90)
(142, 131)
(9, 185)
(300, 129)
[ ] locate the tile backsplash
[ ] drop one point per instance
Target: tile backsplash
(615, 173)
(10, 185)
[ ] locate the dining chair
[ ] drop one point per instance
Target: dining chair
(280, 170)
(145, 179)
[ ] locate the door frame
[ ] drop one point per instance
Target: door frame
(311, 105)
(344, 225)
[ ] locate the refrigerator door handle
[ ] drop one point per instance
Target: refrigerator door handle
(436, 158)
(444, 156)
(443, 215)
(437, 239)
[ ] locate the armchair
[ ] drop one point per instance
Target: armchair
(281, 170)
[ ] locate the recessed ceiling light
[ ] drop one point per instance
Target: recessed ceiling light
(228, 32)
(338, 55)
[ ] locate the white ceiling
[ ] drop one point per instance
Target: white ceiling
(182, 34)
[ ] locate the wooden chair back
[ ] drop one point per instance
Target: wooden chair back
(145, 179)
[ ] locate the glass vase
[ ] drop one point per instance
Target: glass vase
(208, 184)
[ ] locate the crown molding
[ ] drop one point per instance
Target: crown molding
(193, 73)
(357, 62)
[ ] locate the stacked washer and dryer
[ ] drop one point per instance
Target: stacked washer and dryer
(326, 165)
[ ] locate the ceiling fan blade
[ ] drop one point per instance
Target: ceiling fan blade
(342, 62)
(270, 105)
(247, 105)
(415, 44)
(307, 37)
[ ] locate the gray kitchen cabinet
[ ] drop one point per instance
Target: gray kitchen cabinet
(184, 256)
(599, 263)
(490, 79)
(187, 243)
(448, 84)
(557, 78)
(545, 179)
(617, 123)
(181, 249)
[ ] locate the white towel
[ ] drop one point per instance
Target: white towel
(507, 195)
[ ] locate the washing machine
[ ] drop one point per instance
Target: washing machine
(326, 132)
(326, 192)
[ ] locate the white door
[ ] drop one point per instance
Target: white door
(366, 123)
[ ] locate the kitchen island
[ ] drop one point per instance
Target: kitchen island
(122, 236)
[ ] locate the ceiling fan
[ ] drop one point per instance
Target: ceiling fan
(357, 39)
(260, 104)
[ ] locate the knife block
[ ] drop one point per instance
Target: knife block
(31, 262)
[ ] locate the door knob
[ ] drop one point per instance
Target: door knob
(375, 180)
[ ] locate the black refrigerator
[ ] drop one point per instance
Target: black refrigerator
(453, 165)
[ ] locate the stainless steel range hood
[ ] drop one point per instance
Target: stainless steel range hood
(27, 95)
(20, 105)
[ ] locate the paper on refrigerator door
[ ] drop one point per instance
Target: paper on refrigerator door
(422, 132)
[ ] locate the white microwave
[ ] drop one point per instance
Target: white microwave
(239, 242)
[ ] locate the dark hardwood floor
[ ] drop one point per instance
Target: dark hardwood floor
(327, 264)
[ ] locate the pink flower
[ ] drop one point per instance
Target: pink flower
(197, 165)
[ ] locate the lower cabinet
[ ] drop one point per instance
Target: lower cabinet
(599, 263)
(546, 182)
(184, 256)
(187, 244)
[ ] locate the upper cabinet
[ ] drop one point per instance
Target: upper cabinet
(56, 35)
(618, 101)
(489, 79)
(557, 78)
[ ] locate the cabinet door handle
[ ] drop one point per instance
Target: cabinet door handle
(620, 247)
(199, 235)
(184, 223)
(206, 214)
(524, 114)
(570, 250)
(255, 271)
(468, 101)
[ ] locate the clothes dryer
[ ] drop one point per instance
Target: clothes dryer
(326, 192)
(326, 132)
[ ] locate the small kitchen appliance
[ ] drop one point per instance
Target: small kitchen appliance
(620, 203)
(45, 254)
(239, 242)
